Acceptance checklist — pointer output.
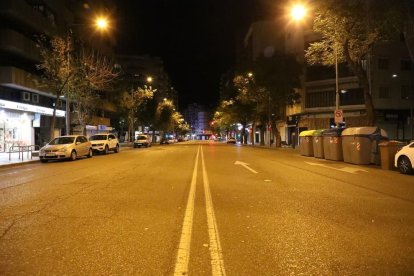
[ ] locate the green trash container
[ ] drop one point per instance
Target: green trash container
(332, 144)
(317, 141)
(306, 144)
(360, 145)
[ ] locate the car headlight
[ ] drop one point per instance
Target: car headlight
(64, 149)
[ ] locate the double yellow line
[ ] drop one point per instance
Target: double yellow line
(183, 254)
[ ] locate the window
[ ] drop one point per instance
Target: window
(405, 92)
(384, 92)
(26, 96)
(383, 63)
(82, 139)
(35, 98)
(405, 65)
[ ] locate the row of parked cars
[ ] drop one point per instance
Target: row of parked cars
(73, 146)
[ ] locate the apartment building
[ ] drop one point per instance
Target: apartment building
(390, 71)
(198, 118)
(26, 108)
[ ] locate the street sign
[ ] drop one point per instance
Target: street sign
(339, 116)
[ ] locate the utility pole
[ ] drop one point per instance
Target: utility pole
(67, 119)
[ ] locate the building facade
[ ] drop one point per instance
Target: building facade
(198, 118)
(26, 107)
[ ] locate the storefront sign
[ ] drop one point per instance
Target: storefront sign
(31, 108)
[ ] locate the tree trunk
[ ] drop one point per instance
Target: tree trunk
(276, 134)
(262, 135)
(154, 140)
(363, 80)
(53, 121)
(254, 133)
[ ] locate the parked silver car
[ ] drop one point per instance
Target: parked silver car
(66, 147)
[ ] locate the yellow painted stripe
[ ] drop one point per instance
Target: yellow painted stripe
(217, 264)
(183, 255)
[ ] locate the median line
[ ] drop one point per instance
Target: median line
(183, 255)
(217, 264)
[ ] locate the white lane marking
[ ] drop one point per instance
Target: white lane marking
(344, 169)
(245, 165)
(217, 264)
(183, 254)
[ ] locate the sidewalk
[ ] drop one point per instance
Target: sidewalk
(15, 160)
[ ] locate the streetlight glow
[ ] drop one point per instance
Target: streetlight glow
(298, 12)
(102, 23)
(149, 79)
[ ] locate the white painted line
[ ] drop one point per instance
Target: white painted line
(245, 165)
(344, 169)
(183, 254)
(217, 264)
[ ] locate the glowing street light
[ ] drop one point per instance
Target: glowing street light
(149, 79)
(101, 23)
(298, 12)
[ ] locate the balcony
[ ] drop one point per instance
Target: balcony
(24, 17)
(15, 44)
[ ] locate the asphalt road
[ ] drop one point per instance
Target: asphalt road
(205, 208)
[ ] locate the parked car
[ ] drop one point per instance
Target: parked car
(404, 159)
(103, 143)
(142, 140)
(231, 140)
(164, 141)
(66, 147)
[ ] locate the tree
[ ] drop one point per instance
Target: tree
(278, 76)
(75, 73)
(249, 101)
(224, 118)
(94, 72)
(131, 101)
(55, 68)
(349, 30)
(165, 116)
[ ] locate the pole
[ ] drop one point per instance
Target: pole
(67, 119)
(269, 122)
(411, 115)
(336, 82)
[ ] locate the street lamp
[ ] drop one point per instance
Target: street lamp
(149, 79)
(102, 24)
(298, 12)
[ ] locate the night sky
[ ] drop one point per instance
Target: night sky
(196, 39)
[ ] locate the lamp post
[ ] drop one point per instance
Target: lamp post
(101, 24)
(298, 13)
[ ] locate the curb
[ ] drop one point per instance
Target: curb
(16, 164)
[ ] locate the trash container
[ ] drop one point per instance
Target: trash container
(306, 144)
(332, 144)
(388, 149)
(360, 144)
(317, 142)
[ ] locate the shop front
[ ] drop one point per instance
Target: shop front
(18, 123)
